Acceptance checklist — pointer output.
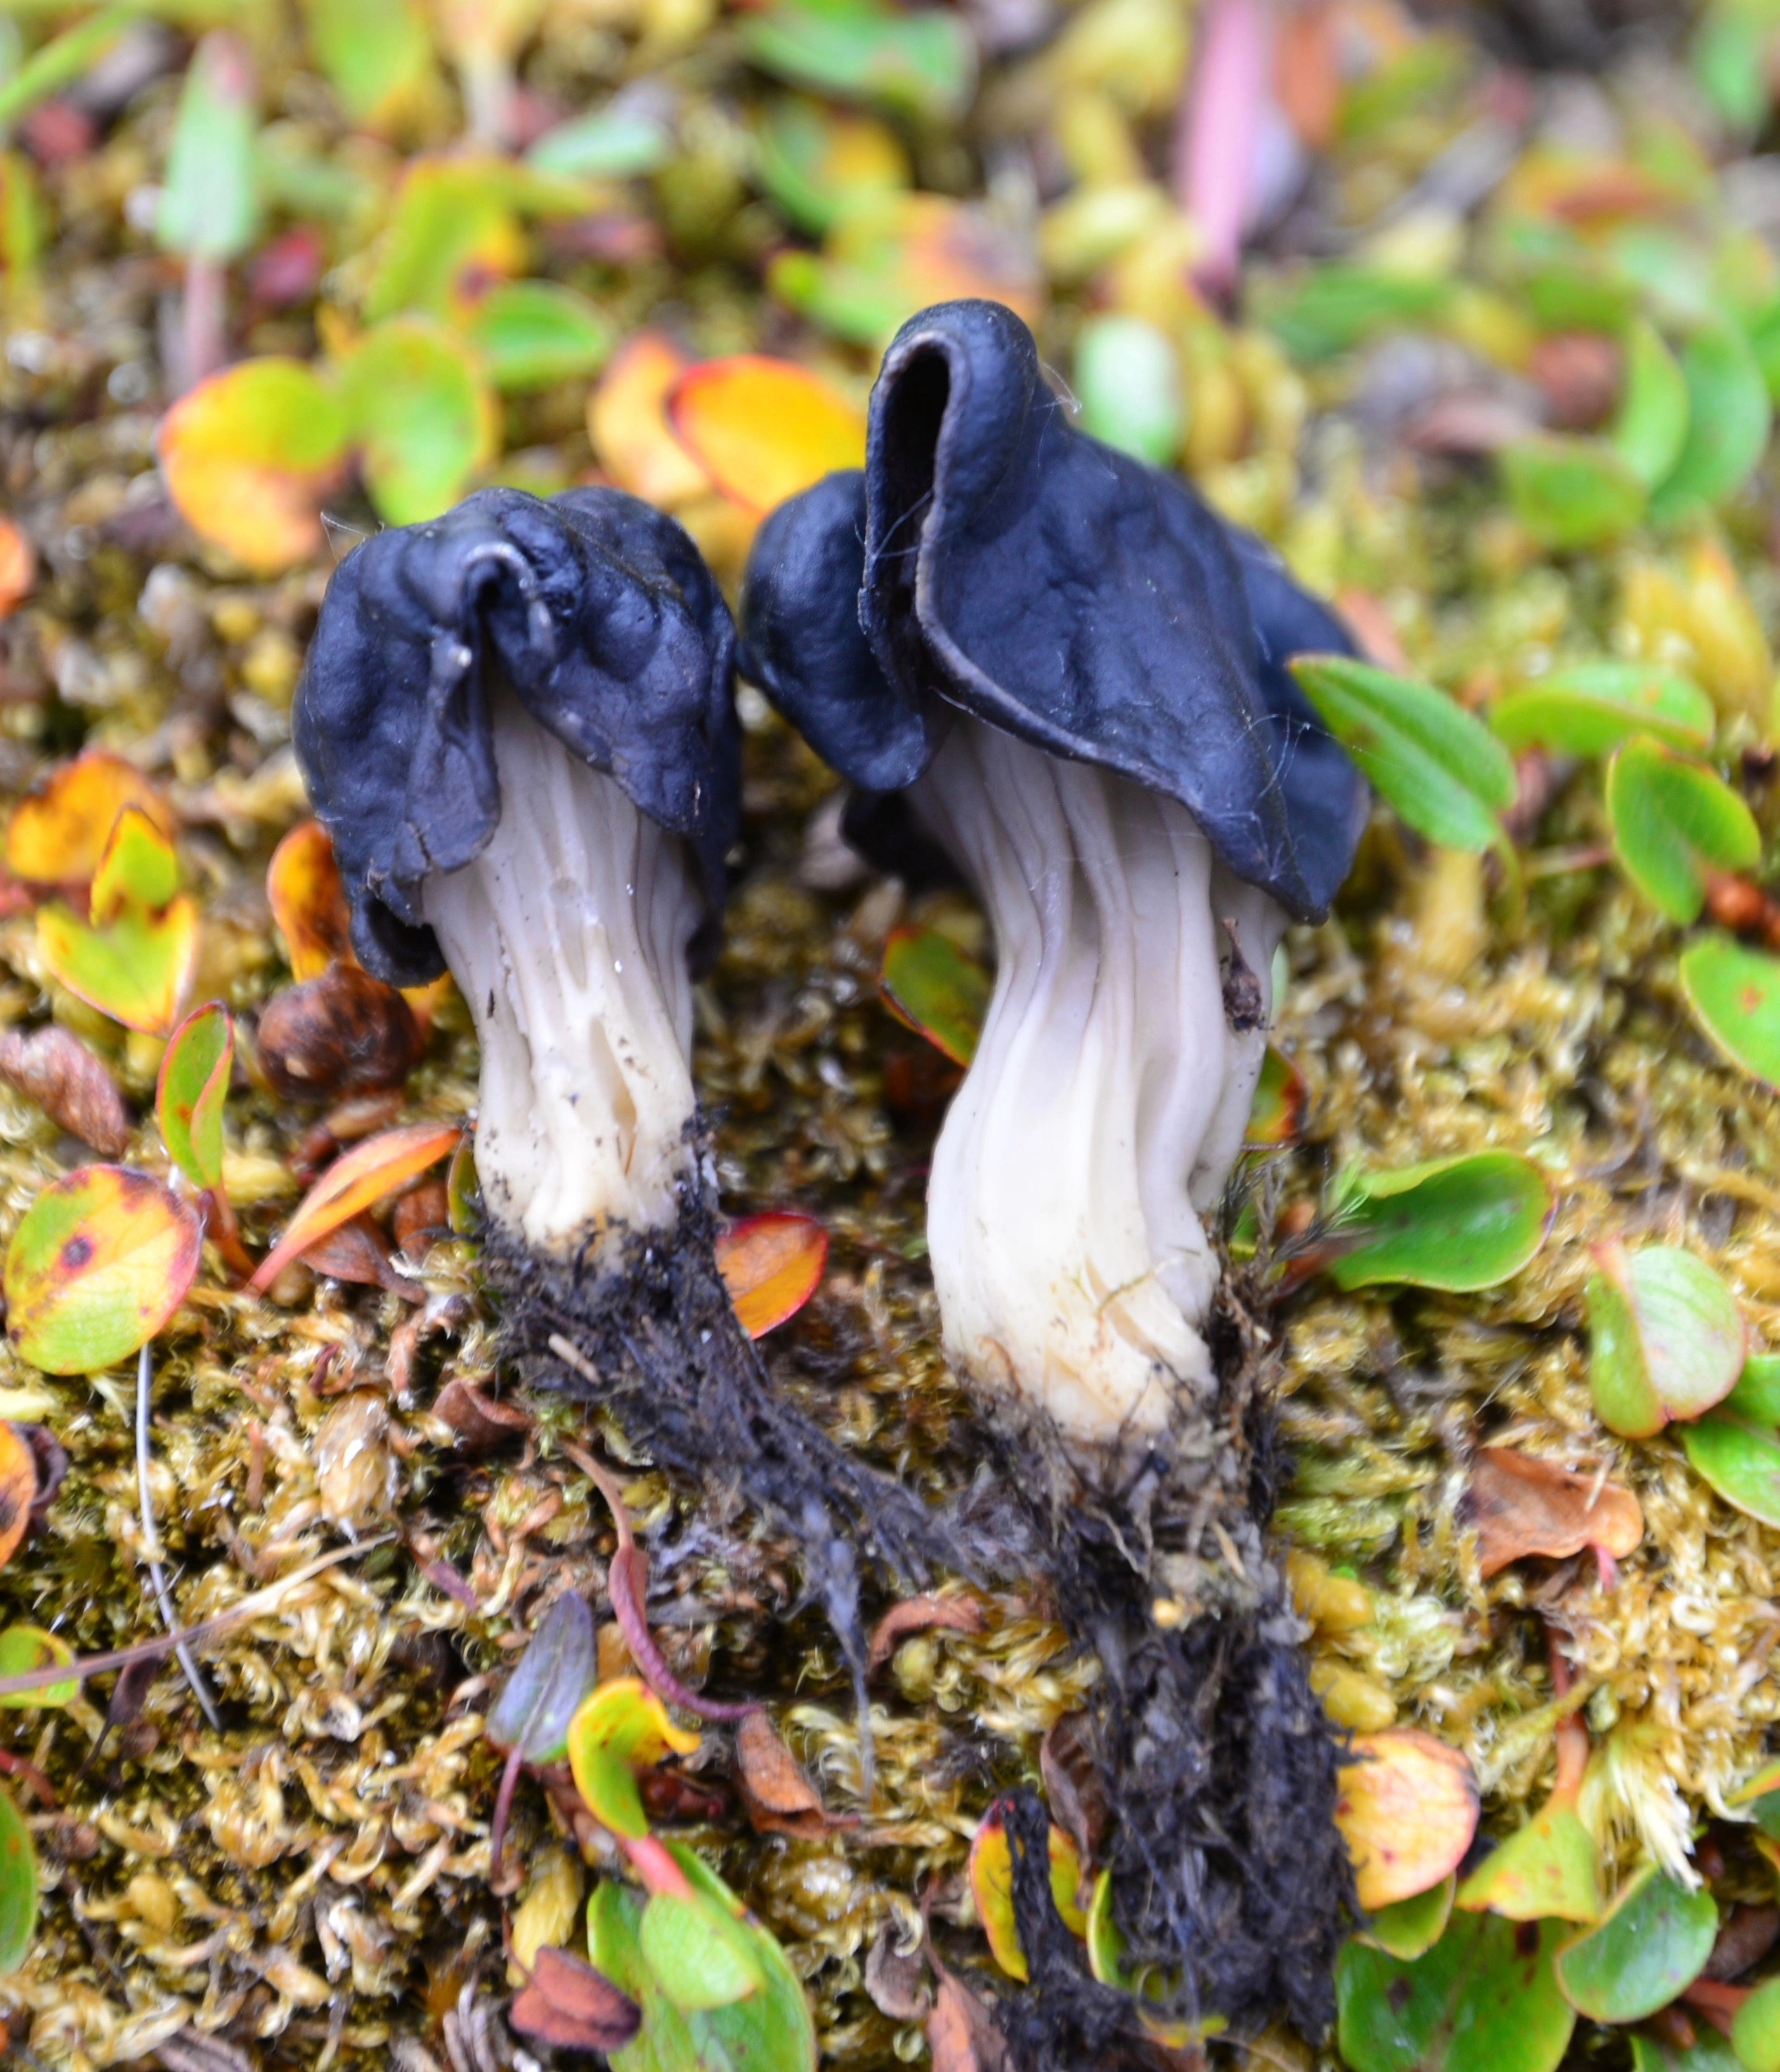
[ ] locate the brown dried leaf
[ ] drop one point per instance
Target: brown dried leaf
(920, 1615)
(961, 2032)
(480, 1421)
(69, 1084)
(776, 1795)
(356, 1251)
(1744, 1936)
(897, 1979)
(1072, 1784)
(189, 2051)
(568, 2004)
(1522, 1504)
(342, 1033)
(422, 1213)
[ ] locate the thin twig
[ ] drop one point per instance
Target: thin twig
(151, 1548)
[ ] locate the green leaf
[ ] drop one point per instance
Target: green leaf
(1127, 382)
(1590, 707)
(24, 1648)
(1735, 1449)
(1651, 426)
(1412, 1927)
(1675, 824)
(1652, 1943)
(1728, 417)
(1571, 492)
(415, 402)
(18, 1887)
(818, 162)
(701, 1956)
(1666, 1337)
(63, 59)
(1439, 769)
(929, 983)
(920, 63)
(373, 53)
(553, 1679)
(1548, 1871)
(189, 1093)
(1755, 2029)
(1709, 2052)
(1454, 1223)
(1728, 60)
(1735, 996)
(615, 142)
(1483, 2000)
(533, 334)
(1335, 307)
(137, 969)
(209, 203)
(98, 1265)
(770, 2031)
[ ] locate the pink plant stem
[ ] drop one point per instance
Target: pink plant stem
(655, 1867)
(1220, 132)
(206, 283)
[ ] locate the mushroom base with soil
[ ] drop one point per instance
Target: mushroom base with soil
(651, 1337)
(1218, 1763)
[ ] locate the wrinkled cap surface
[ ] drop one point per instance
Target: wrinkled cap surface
(995, 559)
(600, 614)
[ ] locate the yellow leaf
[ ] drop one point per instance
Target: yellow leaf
(1408, 1811)
(763, 429)
(308, 901)
(138, 969)
(627, 424)
(137, 870)
(58, 834)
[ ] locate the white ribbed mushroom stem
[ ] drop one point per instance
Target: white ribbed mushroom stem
(568, 938)
(1108, 1095)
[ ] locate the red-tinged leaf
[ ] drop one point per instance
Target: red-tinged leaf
(248, 456)
(763, 429)
(137, 970)
(70, 1086)
(308, 901)
(567, 2004)
(17, 1491)
(628, 1583)
(59, 831)
(98, 1265)
(190, 1092)
(931, 986)
(1277, 1116)
(771, 1265)
(359, 1177)
(920, 1615)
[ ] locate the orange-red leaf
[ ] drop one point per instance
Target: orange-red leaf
(361, 1176)
(302, 883)
(771, 1265)
(1522, 1504)
(763, 429)
(1408, 1811)
(627, 424)
(99, 1262)
(248, 455)
(17, 566)
(58, 833)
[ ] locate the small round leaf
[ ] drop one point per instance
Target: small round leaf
(1735, 996)
(98, 1265)
(1454, 1223)
(17, 1886)
(1651, 1944)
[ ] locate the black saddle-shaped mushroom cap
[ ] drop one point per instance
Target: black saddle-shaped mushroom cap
(600, 614)
(993, 557)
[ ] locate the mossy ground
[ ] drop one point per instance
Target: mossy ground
(313, 1881)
